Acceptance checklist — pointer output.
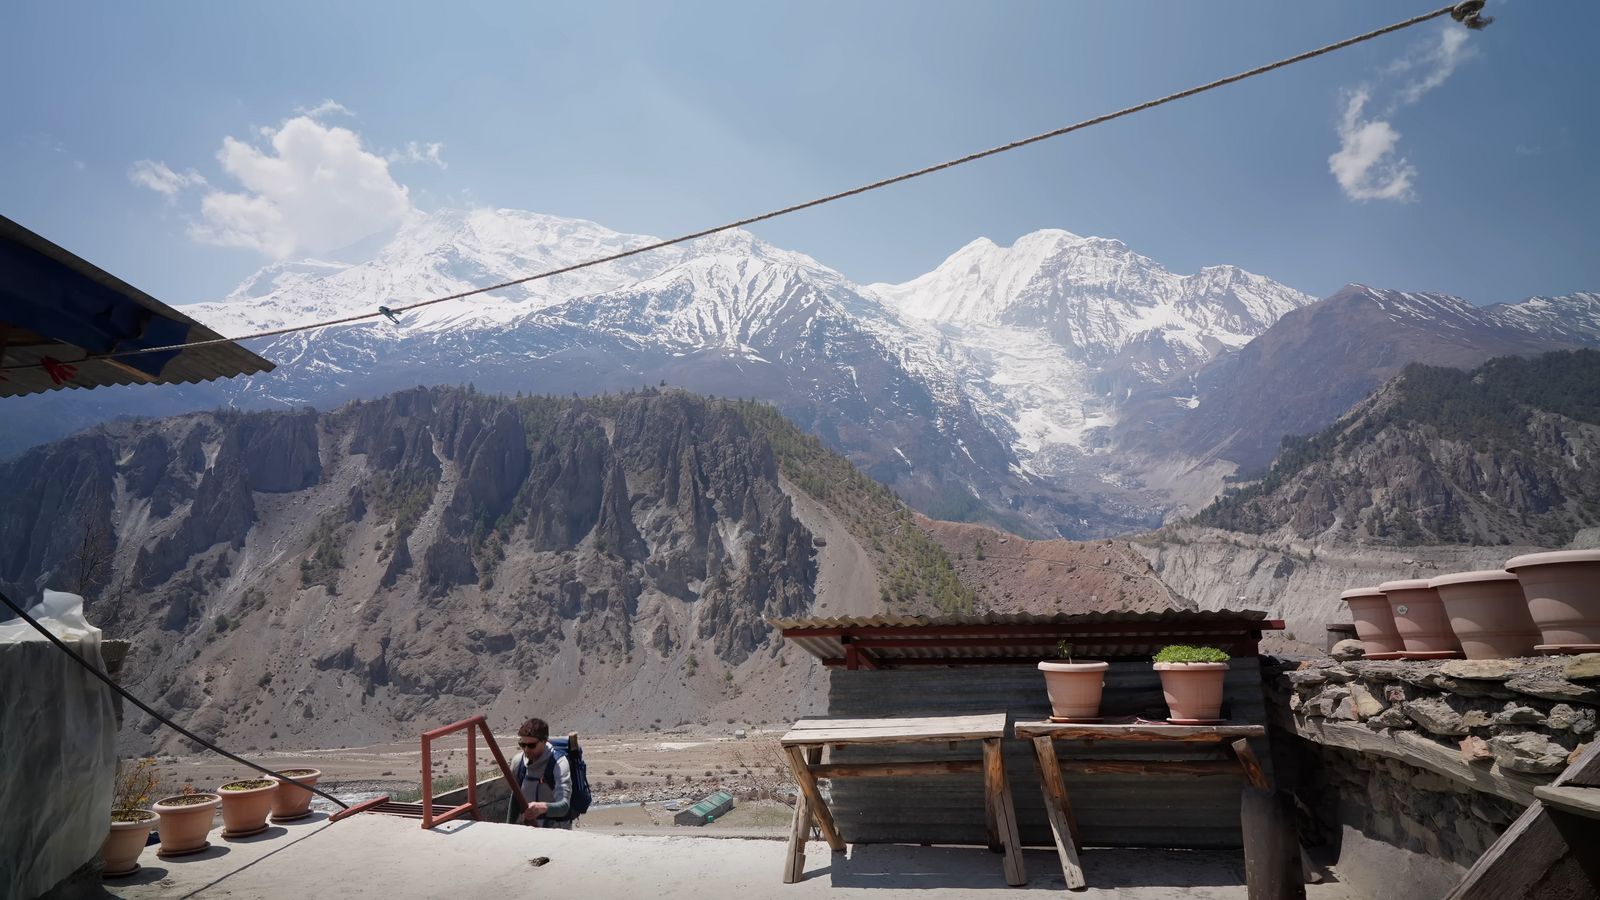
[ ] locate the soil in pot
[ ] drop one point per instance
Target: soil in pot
(1420, 619)
(1193, 690)
(130, 829)
(291, 802)
(1074, 689)
(185, 821)
(1374, 620)
(245, 805)
(1488, 613)
(1563, 591)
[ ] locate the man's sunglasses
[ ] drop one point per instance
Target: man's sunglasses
(529, 745)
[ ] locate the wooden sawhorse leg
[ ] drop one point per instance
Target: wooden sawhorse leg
(808, 806)
(1002, 812)
(1062, 823)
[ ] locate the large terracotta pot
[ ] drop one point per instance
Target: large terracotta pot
(185, 822)
(1074, 688)
(1194, 690)
(1420, 618)
(1374, 620)
(125, 841)
(1563, 591)
(1488, 613)
(290, 801)
(245, 805)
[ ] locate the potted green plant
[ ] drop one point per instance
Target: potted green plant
(185, 821)
(245, 805)
(291, 801)
(1191, 678)
(1074, 687)
(130, 820)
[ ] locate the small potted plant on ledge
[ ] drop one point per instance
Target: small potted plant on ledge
(1191, 677)
(291, 801)
(1074, 687)
(130, 821)
(185, 821)
(245, 805)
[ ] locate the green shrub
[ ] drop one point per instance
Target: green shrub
(1182, 653)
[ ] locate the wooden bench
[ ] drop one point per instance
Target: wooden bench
(803, 746)
(1059, 808)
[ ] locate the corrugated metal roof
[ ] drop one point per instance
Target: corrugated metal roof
(889, 641)
(187, 367)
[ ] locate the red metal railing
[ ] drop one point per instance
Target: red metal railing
(429, 819)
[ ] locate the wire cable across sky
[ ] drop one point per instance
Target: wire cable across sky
(1467, 13)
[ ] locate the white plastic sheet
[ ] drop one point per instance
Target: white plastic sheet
(58, 731)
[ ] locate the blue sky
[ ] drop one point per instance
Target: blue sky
(1469, 164)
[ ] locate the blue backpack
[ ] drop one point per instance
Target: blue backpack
(581, 797)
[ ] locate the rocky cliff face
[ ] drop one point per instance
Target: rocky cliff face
(403, 562)
(1503, 454)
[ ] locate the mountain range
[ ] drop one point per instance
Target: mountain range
(1064, 386)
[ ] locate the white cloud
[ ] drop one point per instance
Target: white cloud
(311, 189)
(326, 107)
(1368, 165)
(415, 152)
(158, 177)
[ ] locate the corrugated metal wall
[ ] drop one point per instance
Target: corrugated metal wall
(1112, 810)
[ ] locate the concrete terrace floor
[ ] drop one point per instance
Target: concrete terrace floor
(386, 857)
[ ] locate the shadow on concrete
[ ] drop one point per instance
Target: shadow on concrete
(273, 832)
(145, 875)
(265, 856)
(902, 867)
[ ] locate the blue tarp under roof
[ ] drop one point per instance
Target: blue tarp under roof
(56, 306)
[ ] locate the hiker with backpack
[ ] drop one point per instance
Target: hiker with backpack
(553, 778)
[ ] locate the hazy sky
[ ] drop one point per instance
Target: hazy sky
(184, 145)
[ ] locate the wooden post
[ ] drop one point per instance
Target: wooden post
(794, 862)
(819, 807)
(994, 772)
(1252, 766)
(1062, 823)
(1271, 847)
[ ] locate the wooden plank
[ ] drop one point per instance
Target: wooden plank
(1423, 753)
(1252, 766)
(1059, 809)
(1193, 768)
(888, 731)
(1271, 847)
(898, 769)
(1053, 630)
(999, 791)
(1581, 801)
(1518, 861)
(794, 860)
(1131, 732)
(1584, 771)
(984, 721)
(819, 807)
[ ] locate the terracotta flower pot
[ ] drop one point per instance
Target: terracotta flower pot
(1074, 688)
(1374, 620)
(1563, 591)
(185, 822)
(1420, 618)
(126, 841)
(1193, 690)
(290, 801)
(1488, 613)
(245, 805)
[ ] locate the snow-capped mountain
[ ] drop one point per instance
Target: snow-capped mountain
(1064, 385)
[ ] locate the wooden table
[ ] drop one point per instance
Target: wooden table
(803, 745)
(1062, 823)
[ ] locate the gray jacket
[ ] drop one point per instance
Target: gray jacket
(558, 794)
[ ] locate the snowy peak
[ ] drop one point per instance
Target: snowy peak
(1094, 295)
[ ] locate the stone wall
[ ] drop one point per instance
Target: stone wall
(1412, 769)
